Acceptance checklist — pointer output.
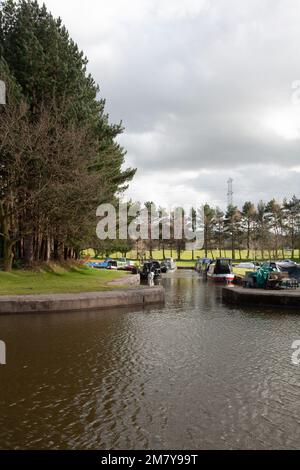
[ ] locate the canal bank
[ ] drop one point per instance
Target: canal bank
(129, 297)
(70, 278)
(260, 297)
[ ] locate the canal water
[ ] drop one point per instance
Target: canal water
(195, 374)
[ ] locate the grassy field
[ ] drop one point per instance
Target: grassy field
(186, 256)
(57, 280)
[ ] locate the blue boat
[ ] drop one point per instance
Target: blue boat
(107, 264)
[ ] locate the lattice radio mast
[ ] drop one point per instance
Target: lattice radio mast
(230, 192)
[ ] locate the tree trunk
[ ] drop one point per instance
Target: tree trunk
(206, 242)
(7, 242)
(178, 253)
(28, 250)
(37, 247)
(58, 250)
(248, 241)
(8, 255)
(151, 250)
(45, 250)
(293, 241)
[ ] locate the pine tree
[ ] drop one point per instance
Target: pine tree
(78, 164)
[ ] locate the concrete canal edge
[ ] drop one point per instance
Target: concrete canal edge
(86, 301)
(131, 280)
(261, 297)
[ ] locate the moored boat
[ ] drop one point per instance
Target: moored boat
(202, 265)
(107, 264)
(168, 265)
(150, 267)
(221, 270)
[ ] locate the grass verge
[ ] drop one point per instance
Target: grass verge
(57, 280)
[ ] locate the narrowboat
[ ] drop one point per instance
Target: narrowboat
(202, 265)
(150, 267)
(168, 265)
(221, 270)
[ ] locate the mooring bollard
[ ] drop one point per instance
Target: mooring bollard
(2, 92)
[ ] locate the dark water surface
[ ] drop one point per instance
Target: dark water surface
(195, 374)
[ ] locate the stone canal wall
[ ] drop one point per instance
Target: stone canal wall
(261, 297)
(85, 301)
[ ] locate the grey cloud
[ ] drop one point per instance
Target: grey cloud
(194, 83)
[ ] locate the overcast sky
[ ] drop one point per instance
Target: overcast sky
(204, 89)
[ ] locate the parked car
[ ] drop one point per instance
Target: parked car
(132, 267)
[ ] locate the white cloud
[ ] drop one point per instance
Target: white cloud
(284, 122)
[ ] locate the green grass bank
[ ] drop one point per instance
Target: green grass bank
(57, 280)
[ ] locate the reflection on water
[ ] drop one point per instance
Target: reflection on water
(195, 374)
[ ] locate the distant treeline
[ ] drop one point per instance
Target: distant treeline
(271, 228)
(58, 153)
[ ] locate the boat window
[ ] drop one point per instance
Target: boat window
(223, 267)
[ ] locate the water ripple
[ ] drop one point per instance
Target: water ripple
(195, 374)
